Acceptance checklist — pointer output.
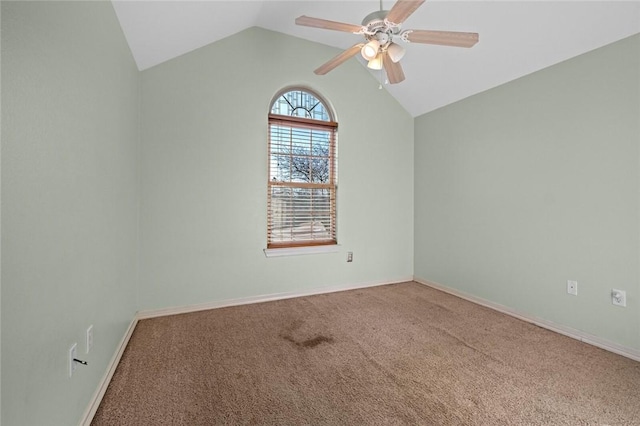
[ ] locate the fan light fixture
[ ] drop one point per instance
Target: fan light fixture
(395, 52)
(376, 63)
(380, 29)
(370, 50)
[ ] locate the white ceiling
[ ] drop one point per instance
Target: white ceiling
(516, 37)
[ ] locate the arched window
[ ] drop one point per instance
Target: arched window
(302, 171)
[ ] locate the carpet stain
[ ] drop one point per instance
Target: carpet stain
(308, 343)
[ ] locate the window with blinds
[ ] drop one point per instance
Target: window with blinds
(302, 177)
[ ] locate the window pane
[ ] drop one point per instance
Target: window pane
(299, 214)
(319, 170)
(300, 170)
(321, 140)
(278, 168)
(298, 103)
(280, 138)
(319, 113)
(299, 154)
(301, 141)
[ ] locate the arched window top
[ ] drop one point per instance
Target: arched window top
(303, 103)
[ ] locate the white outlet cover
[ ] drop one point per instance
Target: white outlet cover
(619, 297)
(572, 287)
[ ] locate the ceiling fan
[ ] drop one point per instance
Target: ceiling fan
(381, 29)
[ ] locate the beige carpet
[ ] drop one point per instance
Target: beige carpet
(396, 354)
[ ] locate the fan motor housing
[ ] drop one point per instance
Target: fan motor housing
(374, 18)
(377, 28)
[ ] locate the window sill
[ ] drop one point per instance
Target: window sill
(297, 251)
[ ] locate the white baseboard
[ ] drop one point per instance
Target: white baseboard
(153, 313)
(87, 417)
(549, 325)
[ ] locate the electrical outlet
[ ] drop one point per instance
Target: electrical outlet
(73, 354)
(572, 287)
(619, 297)
(350, 256)
(89, 339)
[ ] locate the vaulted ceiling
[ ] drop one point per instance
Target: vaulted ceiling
(516, 37)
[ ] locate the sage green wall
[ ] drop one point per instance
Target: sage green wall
(516, 190)
(0, 227)
(70, 98)
(527, 185)
(204, 169)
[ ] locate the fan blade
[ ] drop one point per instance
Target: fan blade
(328, 66)
(393, 69)
(402, 10)
(308, 21)
(444, 38)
